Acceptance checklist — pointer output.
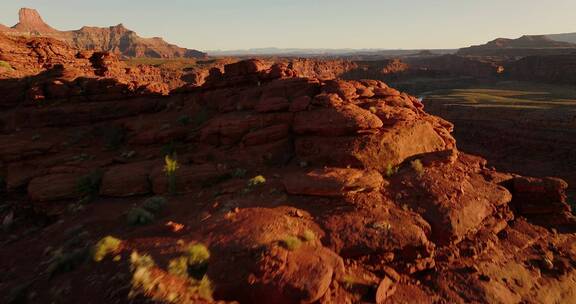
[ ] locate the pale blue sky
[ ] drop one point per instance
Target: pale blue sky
(240, 24)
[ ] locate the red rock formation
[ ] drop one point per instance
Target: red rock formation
(303, 190)
(31, 22)
(559, 69)
(115, 39)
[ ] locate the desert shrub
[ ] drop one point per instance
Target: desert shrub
(391, 170)
(308, 235)
(197, 254)
(65, 261)
(417, 167)
(70, 254)
(178, 266)
(348, 281)
(88, 186)
(5, 66)
(140, 216)
(291, 242)
(149, 282)
(145, 213)
(154, 204)
(256, 181)
(170, 167)
(106, 246)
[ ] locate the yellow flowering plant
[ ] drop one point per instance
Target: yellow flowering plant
(170, 167)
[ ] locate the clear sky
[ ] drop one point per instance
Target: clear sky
(241, 24)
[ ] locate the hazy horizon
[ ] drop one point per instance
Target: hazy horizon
(295, 24)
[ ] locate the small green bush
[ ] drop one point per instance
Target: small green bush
(256, 181)
(88, 186)
(179, 266)
(154, 204)
(197, 254)
(145, 213)
(5, 65)
(391, 170)
(417, 167)
(291, 243)
(140, 216)
(106, 246)
(66, 261)
(308, 235)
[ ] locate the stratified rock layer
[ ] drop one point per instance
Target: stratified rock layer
(303, 190)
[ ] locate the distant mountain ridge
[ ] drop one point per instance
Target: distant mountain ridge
(565, 37)
(524, 46)
(116, 39)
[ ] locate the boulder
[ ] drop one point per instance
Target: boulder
(345, 120)
(332, 182)
(54, 187)
(127, 180)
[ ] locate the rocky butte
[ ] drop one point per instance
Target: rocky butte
(259, 186)
(116, 39)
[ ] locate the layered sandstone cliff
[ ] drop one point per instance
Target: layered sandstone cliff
(116, 39)
(301, 190)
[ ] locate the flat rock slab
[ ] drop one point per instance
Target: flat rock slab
(332, 182)
(54, 187)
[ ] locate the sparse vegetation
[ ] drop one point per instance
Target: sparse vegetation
(140, 216)
(348, 281)
(88, 186)
(170, 167)
(70, 254)
(191, 266)
(106, 246)
(256, 181)
(291, 242)
(308, 235)
(391, 170)
(64, 261)
(146, 212)
(5, 66)
(197, 254)
(154, 204)
(417, 167)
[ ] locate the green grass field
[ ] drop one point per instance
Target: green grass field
(508, 94)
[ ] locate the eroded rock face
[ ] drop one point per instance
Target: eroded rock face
(333, 182)
(115, 39)
(303, 190)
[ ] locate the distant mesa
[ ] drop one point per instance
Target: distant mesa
(524, 46)
(116, 39)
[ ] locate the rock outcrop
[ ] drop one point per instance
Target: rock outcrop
(302, 190)
(559, 69)
(115, 39)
